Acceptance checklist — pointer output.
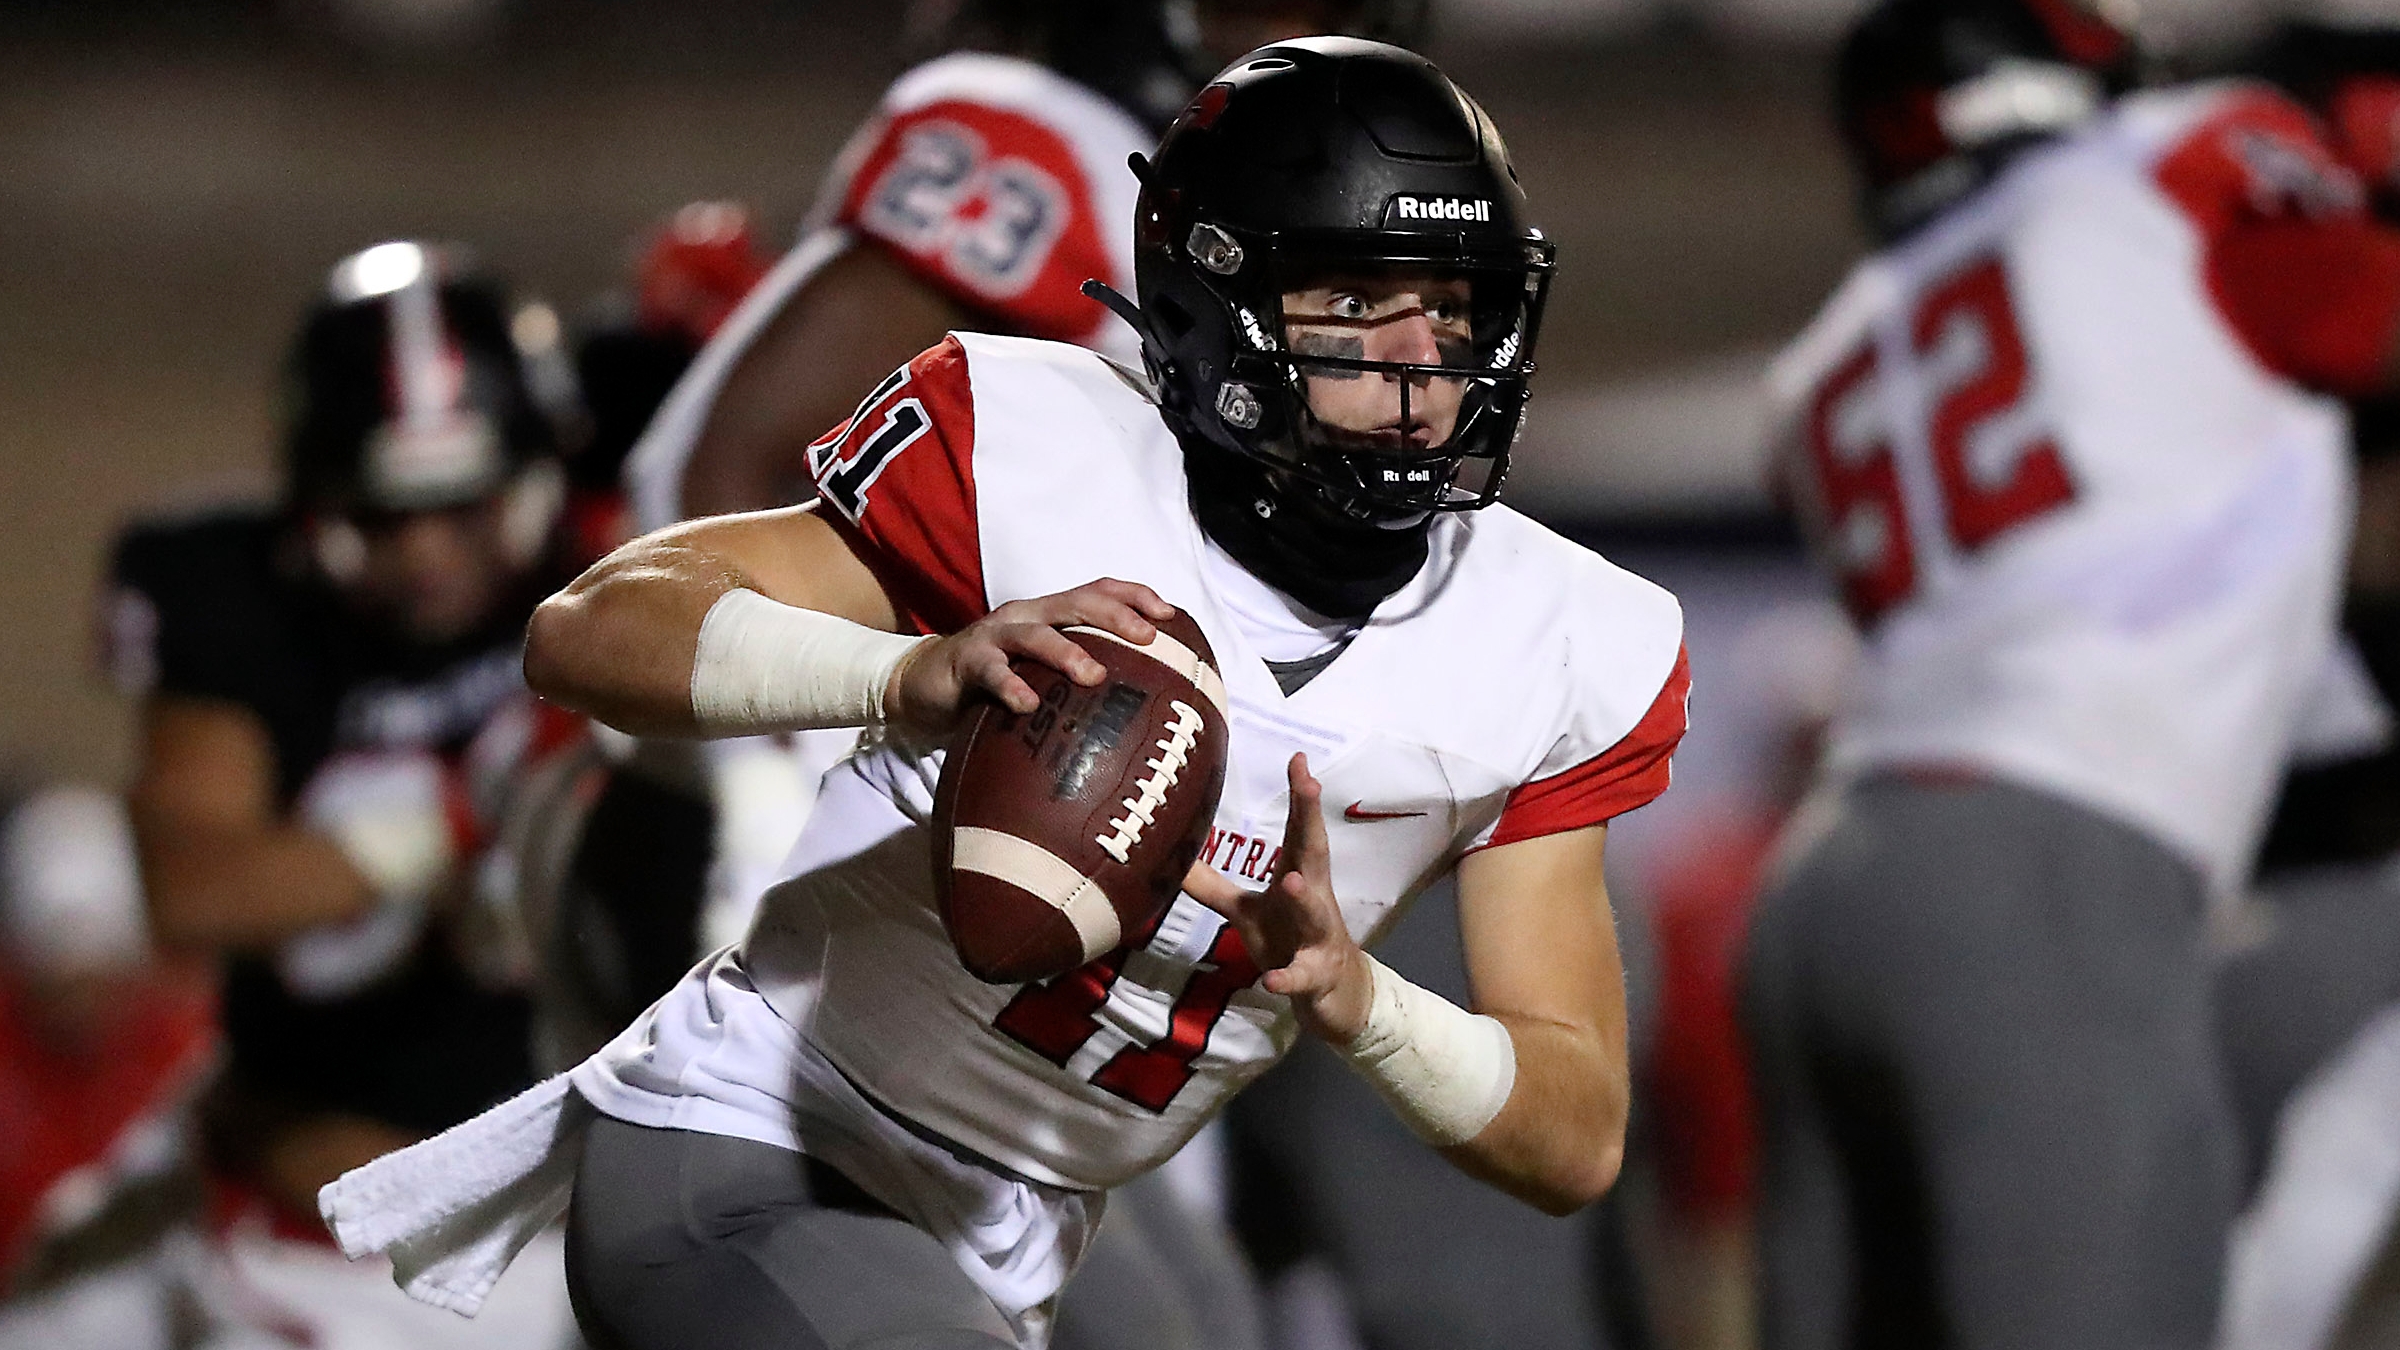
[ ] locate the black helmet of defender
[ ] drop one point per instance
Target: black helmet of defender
(1318, 157)
(1934, 96)
(407, 392)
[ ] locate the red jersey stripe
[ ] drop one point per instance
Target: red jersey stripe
(1626, 775)
(899, 477)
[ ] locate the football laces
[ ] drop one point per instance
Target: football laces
(1141, 809)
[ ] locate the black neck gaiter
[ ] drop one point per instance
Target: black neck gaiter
(1339, 567)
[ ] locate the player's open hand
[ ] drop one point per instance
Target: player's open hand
(1294, 928)
(933, 687)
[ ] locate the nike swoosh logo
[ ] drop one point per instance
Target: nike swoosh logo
(1359, 811)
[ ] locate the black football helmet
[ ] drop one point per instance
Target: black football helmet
(406, 390)
(1934, 95)
(1145, 55)
(1314, 158)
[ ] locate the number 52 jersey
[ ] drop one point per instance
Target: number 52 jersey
(2061, 451)
(1519, 686)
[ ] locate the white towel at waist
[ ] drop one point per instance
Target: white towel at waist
(453, 1211)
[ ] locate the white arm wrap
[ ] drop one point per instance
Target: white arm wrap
(1446, 1071)
(766, 666)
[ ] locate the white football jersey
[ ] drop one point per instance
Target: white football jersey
(997, 181)
(1519, 686)
(2094, 543)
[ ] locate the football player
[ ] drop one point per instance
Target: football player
(331, 695)
(2066, 443)
(1340, 292)
(988, 186)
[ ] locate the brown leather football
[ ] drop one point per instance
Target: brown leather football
(1061, 833)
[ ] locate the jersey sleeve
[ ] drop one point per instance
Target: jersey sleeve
(2301, 273)
(1628, 774)
(899, 477)
(188, 611)
(988, 205)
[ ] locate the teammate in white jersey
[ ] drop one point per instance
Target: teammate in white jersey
(2065, 442)
(1340, 294)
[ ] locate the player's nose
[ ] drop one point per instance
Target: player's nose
(1406, 336)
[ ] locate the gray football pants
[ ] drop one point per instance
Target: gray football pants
(678, 1239)
(1994, 1115)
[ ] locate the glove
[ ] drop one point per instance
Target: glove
(387, 810)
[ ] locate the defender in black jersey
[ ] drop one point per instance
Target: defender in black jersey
(332, 716)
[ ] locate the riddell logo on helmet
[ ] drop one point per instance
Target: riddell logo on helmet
(1438, 208)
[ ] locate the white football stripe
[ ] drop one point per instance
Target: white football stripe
(1172, 654)
(1037, 871)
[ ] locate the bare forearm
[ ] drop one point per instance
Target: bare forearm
(1558, 1143)
(1542, 955)
(617, 645)
(222, 890)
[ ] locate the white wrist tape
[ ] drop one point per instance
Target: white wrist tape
(1446, 1071)
(765, 666)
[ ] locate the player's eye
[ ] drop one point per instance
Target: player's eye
(1347, 306)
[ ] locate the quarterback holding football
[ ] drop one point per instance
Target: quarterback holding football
(832, 1132)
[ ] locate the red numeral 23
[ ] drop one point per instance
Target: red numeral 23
(1859, 483)
(1054, 1020)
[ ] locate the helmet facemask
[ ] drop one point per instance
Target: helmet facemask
(1317, 396)
(1321, 444)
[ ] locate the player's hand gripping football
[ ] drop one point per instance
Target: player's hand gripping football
(932, 688)
(1294, 927)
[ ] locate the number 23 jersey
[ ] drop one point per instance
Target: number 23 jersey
(2077, 492)
(1519, 686)
(995, 182)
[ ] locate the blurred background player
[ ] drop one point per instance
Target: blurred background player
(2065, 443)
(102, 1048)
(332, 715)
